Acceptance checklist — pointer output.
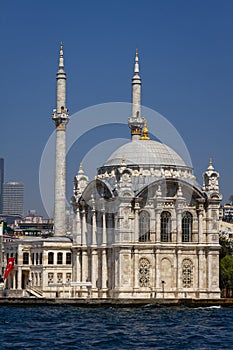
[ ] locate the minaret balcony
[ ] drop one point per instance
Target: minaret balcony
(61, 118)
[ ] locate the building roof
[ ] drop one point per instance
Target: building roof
(145, 153)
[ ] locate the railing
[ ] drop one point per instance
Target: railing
(34, 291)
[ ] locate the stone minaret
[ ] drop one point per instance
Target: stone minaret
(136, 122)
(60, 118)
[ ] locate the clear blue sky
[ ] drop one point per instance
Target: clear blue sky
(186, 55)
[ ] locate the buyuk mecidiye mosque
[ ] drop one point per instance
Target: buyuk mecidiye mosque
(142, 228)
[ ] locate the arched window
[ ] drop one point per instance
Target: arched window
(25, 258)
(59, 258)
(50, 258)
(187, 273)
(187, 223)
(165, 226)
(144, 226)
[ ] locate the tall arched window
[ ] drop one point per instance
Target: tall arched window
(187, 223)
(144, 226)
(165, 226)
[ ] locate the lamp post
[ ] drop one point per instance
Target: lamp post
(163, 282)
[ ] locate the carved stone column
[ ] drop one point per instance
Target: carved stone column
(94, 268)
(93, 227)
(200, 222)
(83, 228)
(179, 225)
(136, 266)
(136, 221)
(104, 231)
(201, 270)
(157, 268)
(157, 225)
(179, 270)
(104, 270)
(77, 234)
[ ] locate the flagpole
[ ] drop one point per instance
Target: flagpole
(1, 246)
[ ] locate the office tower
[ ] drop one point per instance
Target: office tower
(1, 181)
(13, 198)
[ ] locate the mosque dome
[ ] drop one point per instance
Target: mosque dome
(145, 153)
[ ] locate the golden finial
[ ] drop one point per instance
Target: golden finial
(61, 45)
(137, 52)
(123, 160)
(210, 167)
(145, 132)
(81, 166)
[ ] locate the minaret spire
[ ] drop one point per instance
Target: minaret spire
(136, 65)
(135, 122)
(60, 118)
(61, 81)
(61, 58)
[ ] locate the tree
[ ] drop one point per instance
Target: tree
(226, 274)
(231, 199)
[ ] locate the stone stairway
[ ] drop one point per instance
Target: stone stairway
(34, 291)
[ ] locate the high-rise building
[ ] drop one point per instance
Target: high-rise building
(1, 181)
(12, 198)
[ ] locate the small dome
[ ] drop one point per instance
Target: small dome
(145, 153)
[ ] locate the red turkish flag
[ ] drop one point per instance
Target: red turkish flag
(9, 267)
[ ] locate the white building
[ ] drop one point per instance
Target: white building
(143, 228)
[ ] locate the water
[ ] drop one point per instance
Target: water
(68, 327)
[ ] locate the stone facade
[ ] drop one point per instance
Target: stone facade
(39, 263)
(143, 228)
(160, 242)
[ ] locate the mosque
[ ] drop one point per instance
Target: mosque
(143, 228)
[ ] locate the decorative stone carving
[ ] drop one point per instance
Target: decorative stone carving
(187, 273)
(144, 272)
(210, 178)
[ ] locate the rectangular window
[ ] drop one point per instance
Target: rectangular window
(50, 258)
(68, 277)
(25, 258)
(59, 277)
(68, 258)
(50, 277)
(59, 258)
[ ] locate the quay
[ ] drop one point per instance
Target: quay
(117, 303)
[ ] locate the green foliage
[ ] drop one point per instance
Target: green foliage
(231, 199)
(226, 271)
(226, 267)
(226, 247)
(7, 229)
